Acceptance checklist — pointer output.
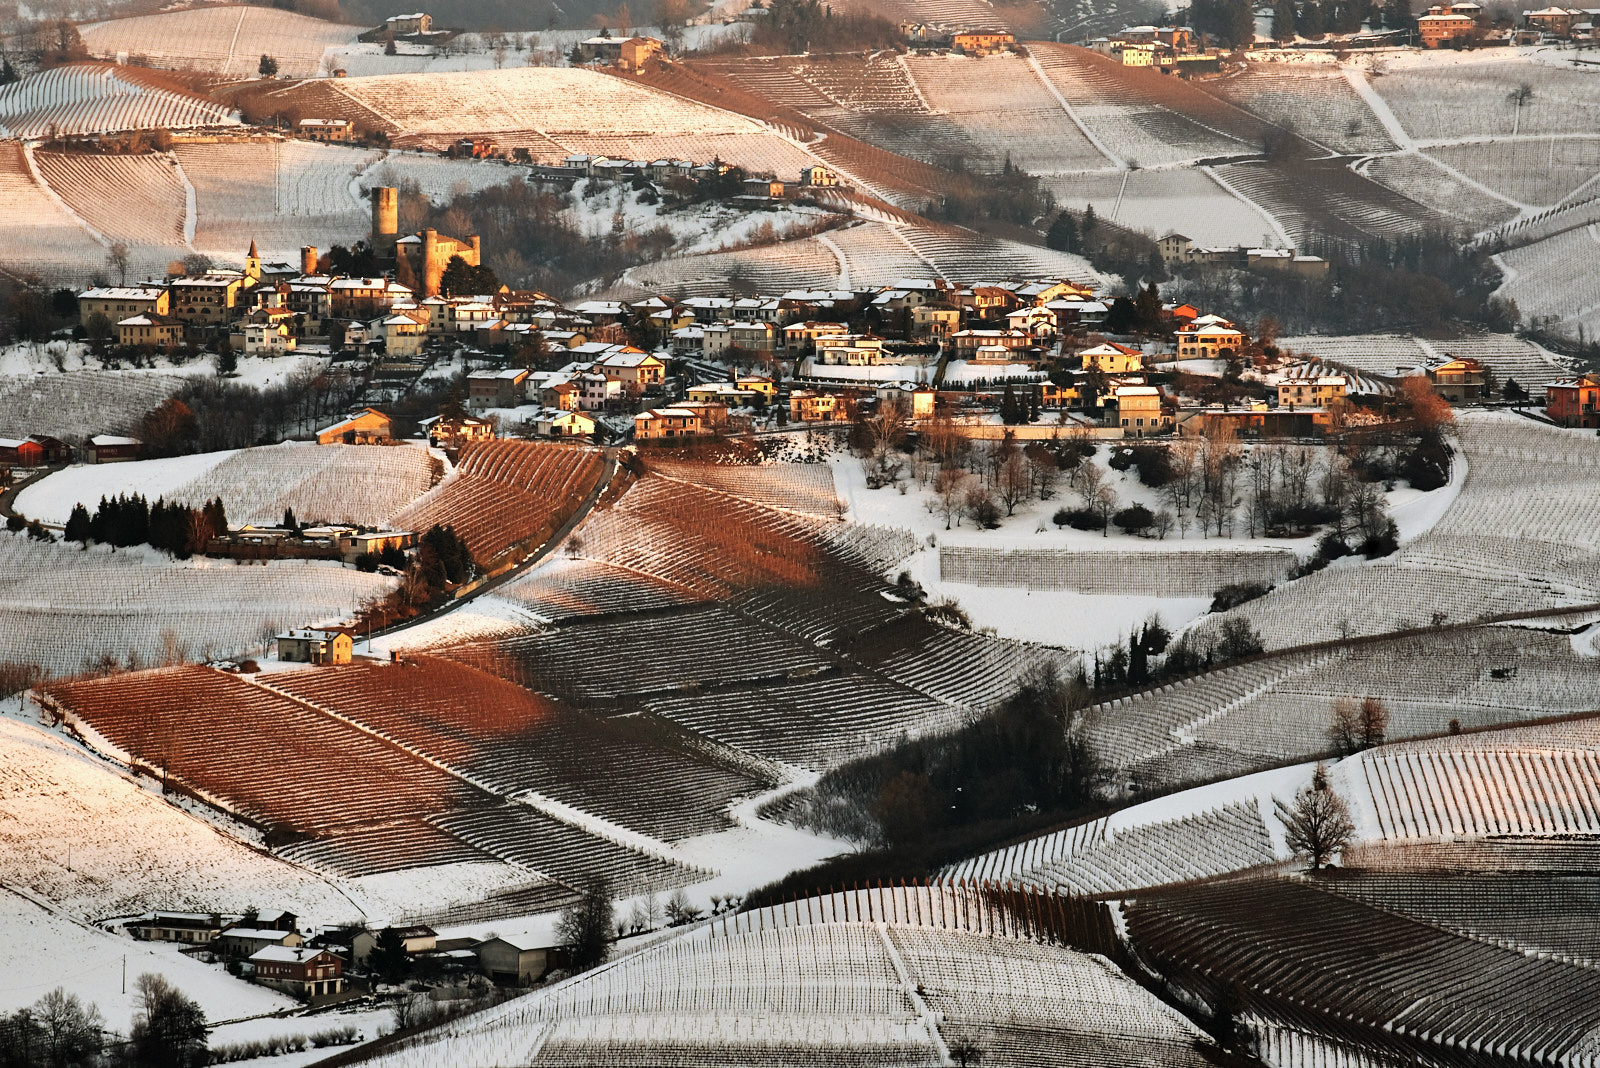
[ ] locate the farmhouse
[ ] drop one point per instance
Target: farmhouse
(149, 331)
(353, 543)
(238, 941)
(111, 449)
(1442, 25)
(339, 130)
(316, 646)
(624, 53)
(299, 970)
(1142, 410)
(556, 423)
(817, 176)
(367, 427)
(416, 939)
(1210, 337)
(686, 420)
(267, 339)
(852, 350)
(981, 42)
(207, 300)
(399, 25)
(448, 433)
(515, 961)
(1575, 403)
(810, 406)
(1459, 380)
(635, 369)
(1317, 392)
(193, 928)
(119, 302)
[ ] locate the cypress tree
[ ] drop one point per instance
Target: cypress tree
(79, 525)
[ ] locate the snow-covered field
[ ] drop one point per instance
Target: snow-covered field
(57, 802)
(223, 39)
(43, 950)
(552, 100)
(79, 403)
(93, 98)
(332, 483)
(65, 608)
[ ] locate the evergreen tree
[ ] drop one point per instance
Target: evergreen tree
(1033, 405)
(1138, 660)
(1311, 24)
(388, 959)
(78, 525)
(216, 518)
(1090, 224)
(1010, 414)
(1147, 308)
(1063, 234)
(1283, 20)
(227, 360)
(289, 522)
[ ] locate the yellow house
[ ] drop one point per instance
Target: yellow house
(809, 406)
(1113, 359)
(149, 331)
(1210, 337)
(119, 302)
(934, 320)
(1141, 411)
(1315, 392)
(758, 384)
(316, 646)
(367, 427)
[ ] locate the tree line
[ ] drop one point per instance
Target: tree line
(60, 1030)
(129, 519)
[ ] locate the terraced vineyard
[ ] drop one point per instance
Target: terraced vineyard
(1521, 526)
(282, 195)
(225, 40)
(1316, 102)
(506, 496)
(515, 743)
(1419, 178)
(74, 405)
(846, 991)
(1031, 126)
(36, 236)
(65, 610)
(1538, 173)
(1132, 574)
(429, 773)
(138, 200)
(90, 98)
(1304, 959)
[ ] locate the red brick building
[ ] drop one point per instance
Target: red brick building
(300, 970)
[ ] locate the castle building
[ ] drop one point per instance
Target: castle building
(419, 259)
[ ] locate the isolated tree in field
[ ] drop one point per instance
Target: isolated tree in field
(1345, 728)
(966, 1054)
(227, 359)
(117, 260)
(1519, 98)
(586, 926)
(1374, 722)
(169, 1029)
(268, 67)
(1318, 825)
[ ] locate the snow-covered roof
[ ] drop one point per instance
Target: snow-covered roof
(121, 293)
(286, 954)
(270, 933)
(112, 439)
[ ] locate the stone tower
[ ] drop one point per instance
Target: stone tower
(385, 220)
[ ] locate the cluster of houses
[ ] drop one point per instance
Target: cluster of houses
(1178, 250)
(275, 952)
(1174, 49)
(1562, 23)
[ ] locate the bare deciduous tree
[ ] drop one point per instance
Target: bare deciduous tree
(1318, 825)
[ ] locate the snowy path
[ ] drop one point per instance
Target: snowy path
(1271, 220)
(191, 213)
(1038, 72)
(1380, 108)
(838, 253)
